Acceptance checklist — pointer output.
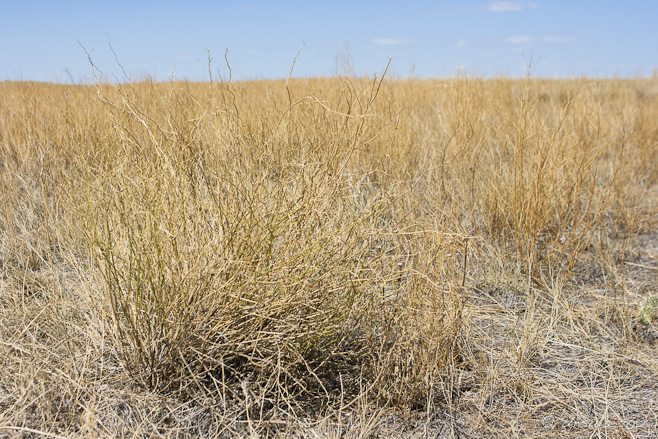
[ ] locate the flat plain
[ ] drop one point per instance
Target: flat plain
(338, 257)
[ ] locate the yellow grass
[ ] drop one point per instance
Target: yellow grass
(331, 257)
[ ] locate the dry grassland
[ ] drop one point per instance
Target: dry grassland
(329, 258)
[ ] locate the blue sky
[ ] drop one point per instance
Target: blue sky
(41, 40)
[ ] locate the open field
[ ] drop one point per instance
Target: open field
(330, 258)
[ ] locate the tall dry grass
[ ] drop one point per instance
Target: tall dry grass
(342, 256)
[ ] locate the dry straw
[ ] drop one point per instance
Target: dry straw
(339, 256)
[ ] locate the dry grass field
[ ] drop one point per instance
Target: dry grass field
(464, 258)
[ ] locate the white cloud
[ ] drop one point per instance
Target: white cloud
(558, 39)
(519, 39)
(522, 39)
(390, 41)
(458, 44)
(506, 6)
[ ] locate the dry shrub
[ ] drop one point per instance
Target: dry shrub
(234, 248)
